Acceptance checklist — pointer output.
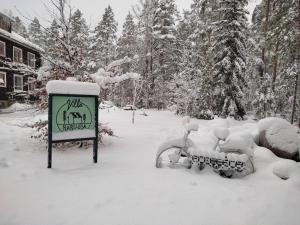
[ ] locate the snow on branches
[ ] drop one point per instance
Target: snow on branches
(112, 74)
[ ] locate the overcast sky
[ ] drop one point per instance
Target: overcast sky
(92, 9)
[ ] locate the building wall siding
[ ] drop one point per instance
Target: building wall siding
(4, 91)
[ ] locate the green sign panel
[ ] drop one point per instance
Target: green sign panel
(71, 114)
(72, 118)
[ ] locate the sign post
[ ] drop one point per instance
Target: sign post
(72, 117)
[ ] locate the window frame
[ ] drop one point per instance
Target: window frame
(14, 47)
(20, 76)
(28, 63)
(5, 80)
(29, 82)
(4, 49)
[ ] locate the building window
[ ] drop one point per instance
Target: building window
(31, 85)
(18, 83)
(2, 49)
(2, 79)
(31, 59)
(17, 54)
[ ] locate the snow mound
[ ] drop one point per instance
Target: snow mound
(16, 107)
(241, 142)
(218, 123)
(253, 130)
(72, 87)
(249, 128)
(284, 168)
(192, 127)
(3, 163)
(279, 136)
(221, 133)
(204, 139)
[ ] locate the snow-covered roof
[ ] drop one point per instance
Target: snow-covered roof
(9, 17)
(20, 40)
(72, 87)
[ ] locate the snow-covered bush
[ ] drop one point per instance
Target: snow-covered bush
(279, 136)
(41, 133)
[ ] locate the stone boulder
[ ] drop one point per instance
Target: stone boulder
(280, 137)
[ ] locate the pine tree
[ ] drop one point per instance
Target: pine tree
(229, 50)
(195, 35)
(127, 43)
(275, 29)
(104, 39)
(79, 33)
(19, 27)
(164, 50)
(52, 44)
(35, 33)
(145, 13)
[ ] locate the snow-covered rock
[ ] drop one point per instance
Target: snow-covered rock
(279, 136)
(284, 168)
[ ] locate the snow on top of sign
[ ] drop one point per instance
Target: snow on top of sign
(72, 87)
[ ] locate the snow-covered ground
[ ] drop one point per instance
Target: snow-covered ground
(125, 188)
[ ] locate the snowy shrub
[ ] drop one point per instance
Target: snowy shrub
(41, 133)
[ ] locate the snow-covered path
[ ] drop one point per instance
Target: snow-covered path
(125, 187)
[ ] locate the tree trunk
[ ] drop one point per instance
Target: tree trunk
(265, 26)
(275, 65)
(295, 99)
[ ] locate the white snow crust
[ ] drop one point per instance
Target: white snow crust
(72, 87)
(125, 187)
(284, 168)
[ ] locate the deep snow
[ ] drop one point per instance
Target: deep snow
(126, 188)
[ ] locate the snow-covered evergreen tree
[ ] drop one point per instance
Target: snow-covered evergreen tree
(35, 32)
(19, 27)
(104, 39)
(164, 51)
(145, 12)
(127, 43)
(52, 44)
(127, 50)
(195, 35)
(229, 50)
(275, 29)
(79, 33)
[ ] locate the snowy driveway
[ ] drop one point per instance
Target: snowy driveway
(125, 188)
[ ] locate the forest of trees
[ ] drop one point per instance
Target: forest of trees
(208, 61)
